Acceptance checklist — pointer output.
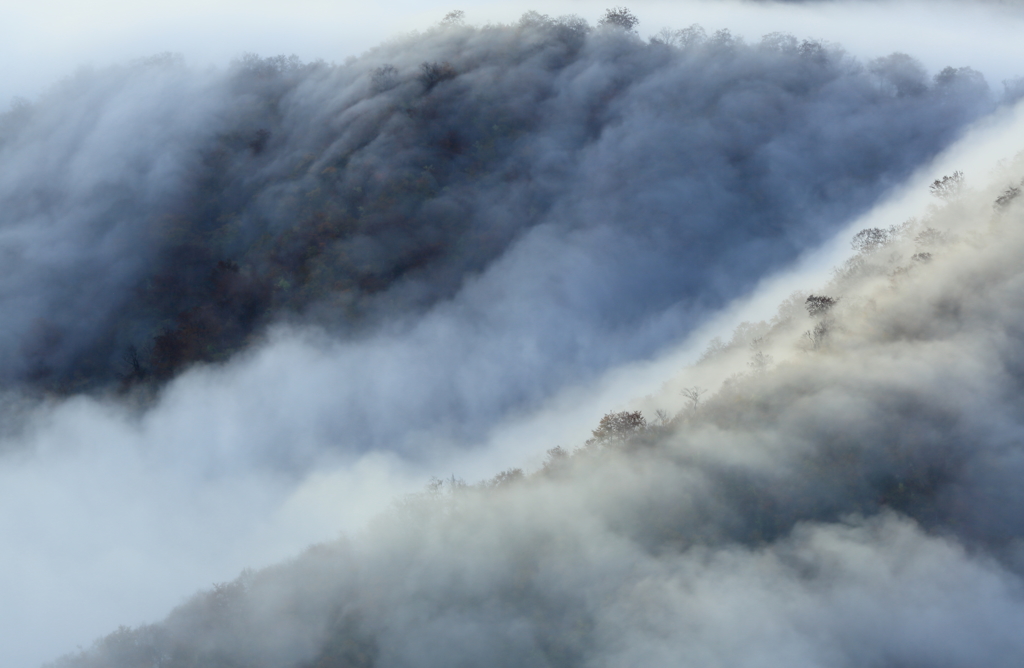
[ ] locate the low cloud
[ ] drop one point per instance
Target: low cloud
(853, 501)
(587, 200)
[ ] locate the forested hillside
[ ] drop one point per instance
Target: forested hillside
(845, 494)
(153, 216)
(250, 307)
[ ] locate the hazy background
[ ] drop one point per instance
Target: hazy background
(44, 41)
(108, 518)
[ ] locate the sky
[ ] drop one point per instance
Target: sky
(44, 41)
(71, 587)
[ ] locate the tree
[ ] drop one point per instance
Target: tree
(869, 239)
(432, 74)
(1006, 197)
(534, 19)
(684, 38)
(695, 35)
(816, 337)
(948, 188)
(454, 18)
(900, 74)
(759, 360)
(693, 395)
(618, 427)
(819, 305)
(506, 477)
(621, 17)
(557, 461)
(930, 237)
(134, 371)
(384, 78)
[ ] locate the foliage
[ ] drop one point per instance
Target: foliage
(949, 187)
(870, 239)
(273, 225)
(500, 558)
(454, 18)
(618, 427)
(1007, 196)
(900, 75)
(620, 17)
(507, 477)
(819, 305)
(432, 74)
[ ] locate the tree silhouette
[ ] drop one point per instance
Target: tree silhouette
(693, 395)
(819, 305)
(432, 74)
(621, 17)
(618, 427)
(948, 188)
(869, 239)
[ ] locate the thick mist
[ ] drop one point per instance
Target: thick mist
(844, 494)
(585, 194)
(220, 285)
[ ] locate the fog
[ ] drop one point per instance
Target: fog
(47, 40)
(853, 501)
(621, 239)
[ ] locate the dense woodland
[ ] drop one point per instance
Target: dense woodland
(342, 195)
(532, 205)
(582, 561)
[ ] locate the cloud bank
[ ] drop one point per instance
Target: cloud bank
(851, 500)
(531, 178)
(536, 206)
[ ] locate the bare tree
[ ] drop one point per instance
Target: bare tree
(666, 36)
(816, 337)
(134, 371)
(693, 395)
(684, 38)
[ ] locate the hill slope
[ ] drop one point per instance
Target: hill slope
(847, 494)
(154, 216)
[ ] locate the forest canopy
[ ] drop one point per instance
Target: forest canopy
(347, 195)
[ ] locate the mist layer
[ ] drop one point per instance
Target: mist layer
(844, 495)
